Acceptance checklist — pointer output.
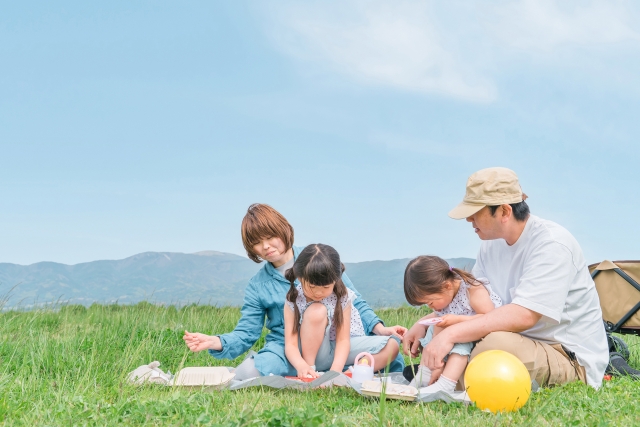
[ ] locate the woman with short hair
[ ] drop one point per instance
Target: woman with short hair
(268, 236)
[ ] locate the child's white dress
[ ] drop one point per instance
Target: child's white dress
(360, 341)
(460, 305)
(357, 329)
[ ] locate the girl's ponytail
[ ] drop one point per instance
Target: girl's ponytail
(465, 276)
(292, 296)
(340, 290)
(290, 275)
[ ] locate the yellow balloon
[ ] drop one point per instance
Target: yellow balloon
(497, 381)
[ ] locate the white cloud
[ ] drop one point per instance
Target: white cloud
(450, 48)
(388, 43)
(542, 25)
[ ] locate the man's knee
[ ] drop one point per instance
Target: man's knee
(529, 352)
(505, 341)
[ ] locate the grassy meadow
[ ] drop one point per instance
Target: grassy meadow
(68, 365)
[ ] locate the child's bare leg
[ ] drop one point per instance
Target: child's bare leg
(386, 355)
(453, 369)
(314, 323)
(456, 363)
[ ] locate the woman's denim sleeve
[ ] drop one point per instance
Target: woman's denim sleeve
(368, 316)
(247, 331)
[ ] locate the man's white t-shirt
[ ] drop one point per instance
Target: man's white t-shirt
(545, 271)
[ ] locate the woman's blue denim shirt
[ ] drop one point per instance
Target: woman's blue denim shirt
(265, 296)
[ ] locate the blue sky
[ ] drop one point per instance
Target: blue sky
(151, 126)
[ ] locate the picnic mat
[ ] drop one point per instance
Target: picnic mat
(393, 385)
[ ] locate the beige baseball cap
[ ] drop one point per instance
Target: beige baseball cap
(489, 187)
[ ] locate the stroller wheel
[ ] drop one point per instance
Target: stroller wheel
(617, 345)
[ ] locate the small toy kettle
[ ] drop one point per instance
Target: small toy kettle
(363, 368)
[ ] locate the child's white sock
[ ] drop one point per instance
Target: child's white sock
(422, 377)
(443, 384)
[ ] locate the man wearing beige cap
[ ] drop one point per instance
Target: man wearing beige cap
(551, 318)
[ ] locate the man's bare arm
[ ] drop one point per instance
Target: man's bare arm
(510, 318)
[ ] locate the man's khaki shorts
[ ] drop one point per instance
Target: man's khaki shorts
(547, 364)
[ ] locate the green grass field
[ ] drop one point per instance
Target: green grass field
(68, 367)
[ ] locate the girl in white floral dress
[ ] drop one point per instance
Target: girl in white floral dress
(455, 296)
(322, 329)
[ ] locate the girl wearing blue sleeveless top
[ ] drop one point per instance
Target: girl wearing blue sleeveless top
(268, 236)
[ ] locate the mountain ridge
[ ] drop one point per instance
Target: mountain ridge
(211, 277)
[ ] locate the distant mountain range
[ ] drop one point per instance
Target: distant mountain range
(167, 277)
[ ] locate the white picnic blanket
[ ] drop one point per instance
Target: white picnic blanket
(219, 378)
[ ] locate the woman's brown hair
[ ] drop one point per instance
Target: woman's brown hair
(428, 275)
(263, 222)
(317, 265)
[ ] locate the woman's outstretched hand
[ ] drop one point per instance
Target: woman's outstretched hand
(411, 339)
(397, 330)
(198, 342)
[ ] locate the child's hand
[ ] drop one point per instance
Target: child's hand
(307, 372)
(435, 374)
(411, 339)
(449, 319)
(396, 330)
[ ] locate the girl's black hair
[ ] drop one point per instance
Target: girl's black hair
(317, 265)
(427, 275)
